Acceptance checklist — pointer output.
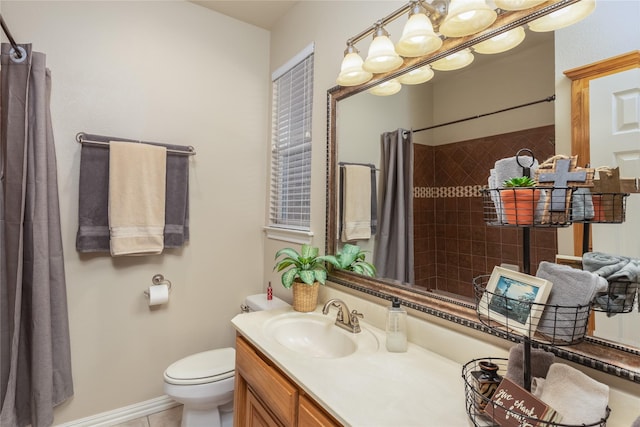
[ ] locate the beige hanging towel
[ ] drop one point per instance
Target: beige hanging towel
(356, 203)
(137, 180)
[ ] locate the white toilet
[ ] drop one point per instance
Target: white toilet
(203, 382)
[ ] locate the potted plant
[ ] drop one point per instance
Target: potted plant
(305, 271)
(519, 200)
(352, 258)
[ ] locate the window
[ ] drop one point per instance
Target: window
(290, 194)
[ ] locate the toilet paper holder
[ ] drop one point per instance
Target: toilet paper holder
(158, 279)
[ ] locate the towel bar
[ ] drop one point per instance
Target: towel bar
(80, 138)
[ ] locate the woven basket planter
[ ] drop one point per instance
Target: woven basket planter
(305, 297)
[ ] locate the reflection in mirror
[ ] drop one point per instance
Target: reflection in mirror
(450, 162)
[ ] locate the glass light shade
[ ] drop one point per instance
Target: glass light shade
(382, 56)
(351, 72)
(502, 42)
(467, 17)
(417, 76)
(517, 4)
(563, 17)
(455, 61)
(418, 37)
(390, 87)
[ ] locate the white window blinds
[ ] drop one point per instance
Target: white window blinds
(290, 205)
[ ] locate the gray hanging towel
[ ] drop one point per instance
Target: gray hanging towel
(93, 219)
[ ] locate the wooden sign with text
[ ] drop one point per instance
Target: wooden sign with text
(513, 406)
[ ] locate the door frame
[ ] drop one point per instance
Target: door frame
(580, 135)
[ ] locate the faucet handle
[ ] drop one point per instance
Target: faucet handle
(353, 318)
(355, 315)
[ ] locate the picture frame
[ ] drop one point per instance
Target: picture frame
(515, 300)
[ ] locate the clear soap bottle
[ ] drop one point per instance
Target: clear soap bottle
(396, 327)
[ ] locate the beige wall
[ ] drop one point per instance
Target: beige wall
(170, 72)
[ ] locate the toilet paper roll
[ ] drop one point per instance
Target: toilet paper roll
(158, 294)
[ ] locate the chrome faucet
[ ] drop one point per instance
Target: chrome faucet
(345, 319)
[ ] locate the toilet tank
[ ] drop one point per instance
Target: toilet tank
(259, 302)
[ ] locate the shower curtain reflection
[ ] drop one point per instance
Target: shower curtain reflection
(393, 256)
(35, 371)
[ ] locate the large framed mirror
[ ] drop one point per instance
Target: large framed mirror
(356, 120)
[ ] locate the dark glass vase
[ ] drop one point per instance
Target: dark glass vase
(486, 382)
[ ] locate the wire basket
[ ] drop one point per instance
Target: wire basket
(527, 206)
(602, 208)
(481, 409)
(552, 324)
(619, 298)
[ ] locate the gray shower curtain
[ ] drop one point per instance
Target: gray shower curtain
(35, 363)
(393, 255)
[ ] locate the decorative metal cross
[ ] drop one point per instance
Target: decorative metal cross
(561, 177)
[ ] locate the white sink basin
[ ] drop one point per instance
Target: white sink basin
(316, 335)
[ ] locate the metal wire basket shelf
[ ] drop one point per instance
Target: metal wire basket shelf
(546, 323)
(620, 297)
(482, 410)
(551, 207)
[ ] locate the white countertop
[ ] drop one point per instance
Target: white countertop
(372, 388)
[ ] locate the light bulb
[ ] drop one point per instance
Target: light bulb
(418, 37)
(564, 17)
(502, 42)
(467, 17)
(382, 56)
(517, 4)
(351, 72)
(454, 61)
(417, 76)
(390, 87)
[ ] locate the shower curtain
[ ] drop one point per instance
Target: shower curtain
(35, 363)
(393, 255)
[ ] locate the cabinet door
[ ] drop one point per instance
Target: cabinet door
(310, 415)
(255, 414)
(273, 388)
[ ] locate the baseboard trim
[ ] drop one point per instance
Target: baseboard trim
(124, 414)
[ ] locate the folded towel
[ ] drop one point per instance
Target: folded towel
(93, 219)
(176, 228)
(540, 362)
(356, 203)
(612, 267)
(582, 204)
(566, 314)
(574, 395)
(137, 177)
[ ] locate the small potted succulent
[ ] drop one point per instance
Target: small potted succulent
(352, 258)
(519, 200)
(304, 271)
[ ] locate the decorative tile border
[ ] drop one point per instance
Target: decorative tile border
(442, 192)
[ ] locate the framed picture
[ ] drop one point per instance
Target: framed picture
(515, 300)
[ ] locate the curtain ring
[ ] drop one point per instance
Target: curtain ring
(14, 55)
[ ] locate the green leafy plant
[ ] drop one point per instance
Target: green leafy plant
(351, 258)
(520, 181)
(305, 265)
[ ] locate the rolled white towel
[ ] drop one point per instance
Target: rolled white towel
(574, 395)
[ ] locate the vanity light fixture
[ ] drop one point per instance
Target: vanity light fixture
(418, 37)
(502, 42)
(455, 61)
(466, 17)
(351, 71)
(382, 56)
(563, 17)
(390, 87)
(433, 24)
(417, 76)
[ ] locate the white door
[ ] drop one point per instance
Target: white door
(614, 103)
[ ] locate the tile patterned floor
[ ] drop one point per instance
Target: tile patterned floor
(169, 418)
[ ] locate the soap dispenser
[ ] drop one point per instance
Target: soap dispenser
(396, 327)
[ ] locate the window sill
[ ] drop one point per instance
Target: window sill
(288, 235)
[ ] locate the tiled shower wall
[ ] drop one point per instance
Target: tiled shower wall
(452, 242)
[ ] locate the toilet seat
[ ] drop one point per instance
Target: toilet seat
(202, 368)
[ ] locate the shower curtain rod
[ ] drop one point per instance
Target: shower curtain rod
(13, 43)
(80, 137)
(547, 99)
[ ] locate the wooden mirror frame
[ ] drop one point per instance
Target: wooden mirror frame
(602, 355)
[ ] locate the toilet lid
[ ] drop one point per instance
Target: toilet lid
(208, 366)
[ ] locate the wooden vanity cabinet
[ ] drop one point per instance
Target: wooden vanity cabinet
(266, 397)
